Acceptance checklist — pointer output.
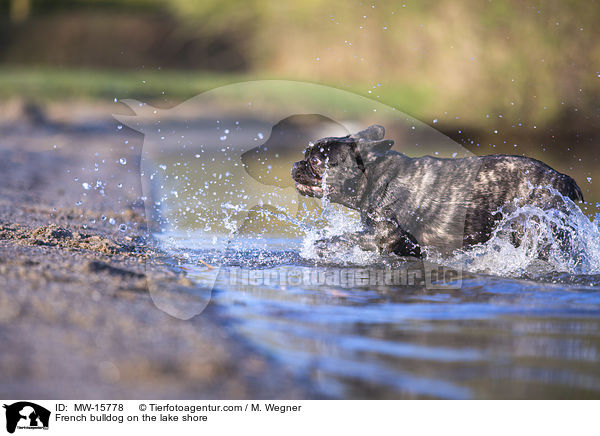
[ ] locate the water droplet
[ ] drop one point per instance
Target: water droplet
(112, 221)
(86, 186)
(123, 161)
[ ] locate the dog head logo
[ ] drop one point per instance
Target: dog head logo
(26, 415)
(215, 169)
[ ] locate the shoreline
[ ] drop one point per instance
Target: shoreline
(76, 317)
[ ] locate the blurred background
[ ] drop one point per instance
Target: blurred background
(501, 76)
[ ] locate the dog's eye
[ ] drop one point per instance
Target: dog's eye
(315, 160)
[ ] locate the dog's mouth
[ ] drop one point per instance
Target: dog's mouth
(311, 191)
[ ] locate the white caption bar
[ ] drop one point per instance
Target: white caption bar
(299, 417)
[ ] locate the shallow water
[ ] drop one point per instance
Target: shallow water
(519, 322)
(354, 335)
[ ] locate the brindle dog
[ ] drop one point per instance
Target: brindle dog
(407, 204)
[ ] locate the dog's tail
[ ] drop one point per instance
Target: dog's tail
(569, 187)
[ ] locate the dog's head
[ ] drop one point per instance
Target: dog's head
(341, 161)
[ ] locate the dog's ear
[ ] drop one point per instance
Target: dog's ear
(372, 133)
(370, 142)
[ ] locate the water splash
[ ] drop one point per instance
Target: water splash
(558, 240)
(335, 222)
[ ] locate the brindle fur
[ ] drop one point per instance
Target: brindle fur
(410, 203)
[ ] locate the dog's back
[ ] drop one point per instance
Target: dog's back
(518, 180)
(451, 203)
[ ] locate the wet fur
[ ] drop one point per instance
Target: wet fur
(410, 203)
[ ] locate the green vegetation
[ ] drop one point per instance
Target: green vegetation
(163, 87)
(534, 62)
(52, 83)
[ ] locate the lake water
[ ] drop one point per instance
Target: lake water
(496, 321)
(379, 330)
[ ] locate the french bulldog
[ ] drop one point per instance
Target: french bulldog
(411, 205)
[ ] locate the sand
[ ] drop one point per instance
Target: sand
(76, 317)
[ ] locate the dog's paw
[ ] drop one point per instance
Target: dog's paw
(321, 247)
(330, 245)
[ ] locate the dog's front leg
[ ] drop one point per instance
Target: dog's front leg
(381, 236)
(365, 240)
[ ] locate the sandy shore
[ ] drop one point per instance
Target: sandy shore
(76, 317)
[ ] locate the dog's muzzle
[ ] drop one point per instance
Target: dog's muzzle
(306, 183)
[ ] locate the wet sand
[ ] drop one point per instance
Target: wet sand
(76, 317)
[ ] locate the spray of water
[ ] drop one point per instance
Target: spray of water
(527, 241)
(337, 221)
(558, 240)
